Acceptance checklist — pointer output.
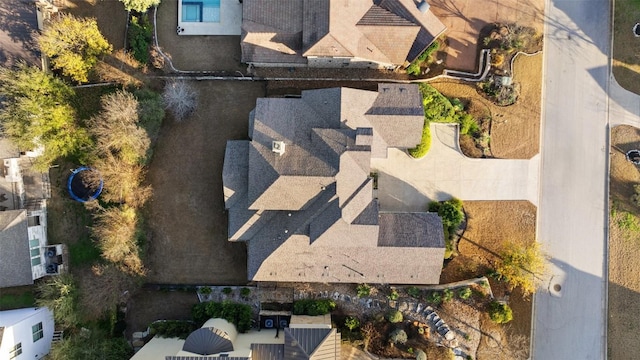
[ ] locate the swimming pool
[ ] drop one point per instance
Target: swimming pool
(201, 11)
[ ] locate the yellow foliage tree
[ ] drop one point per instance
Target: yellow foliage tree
(523, 266)
(74, 45)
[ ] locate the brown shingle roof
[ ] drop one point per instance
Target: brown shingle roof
(309, 214)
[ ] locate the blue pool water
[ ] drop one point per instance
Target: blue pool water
(201, 10)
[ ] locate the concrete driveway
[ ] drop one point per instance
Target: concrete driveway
(465, 18)
(409, 184)
(624, 105)
(570, 321)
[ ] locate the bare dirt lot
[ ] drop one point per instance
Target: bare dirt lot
(624, 248)
(490, 224)
(464, 20)
(196, 53)
(147, 306)
(188, 223)
(626, 47)
(515, 129)
(111, 17)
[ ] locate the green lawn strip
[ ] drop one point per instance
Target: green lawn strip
(17, 301)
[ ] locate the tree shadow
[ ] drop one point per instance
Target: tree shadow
(18, 22)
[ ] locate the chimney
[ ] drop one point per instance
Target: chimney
(278, 147)
(424, 6)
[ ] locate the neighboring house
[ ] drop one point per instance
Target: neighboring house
(26, 333)
(336, 33)
(302, 195)
(217, 338)
(25, 254)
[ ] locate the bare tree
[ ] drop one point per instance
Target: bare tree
(115, 230)
(123, 181)
(180, 98)
(103, 287)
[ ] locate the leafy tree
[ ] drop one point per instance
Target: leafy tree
(35, 112)
(523, 266)
(94, 345)
(139, 5)
(500, 313)
(60, 295)
(150, 112)
(394, 316)
(351, 322)
(180, 98)
(74, 45)
(398, 336)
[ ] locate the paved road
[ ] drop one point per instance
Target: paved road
(572, 219)
(410, 184)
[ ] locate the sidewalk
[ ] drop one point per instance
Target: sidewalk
(407, 184)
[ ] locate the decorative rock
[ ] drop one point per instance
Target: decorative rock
(336, 295)
(403, 307)
(419, 308)
(393, 304)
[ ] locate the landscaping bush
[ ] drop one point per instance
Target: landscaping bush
(425, 143)
(227, 291)
(447, 295)
(398, 336)
(464, 293)
(413, 291)
(139, 38)
(421, 355)
(173, 328)
(500, 313)
(423, 60)
(150, 112)
(393, 295)
(239, 315)
(205, 290)
(363, 290)
(435, 297)
(313, 307)
(394, 316)
(635, 198)
(60, 295)
(351, 323)
(245, 292)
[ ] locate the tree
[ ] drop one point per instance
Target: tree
(74, 45)
(116, 128)
(150, 112)
(35, 113)
(139, 5)
(122, 181)
(523, 266)
(104, 286)
(94, 345)
(180, 98)
(60, 295)
(116, 231)
(500, 313)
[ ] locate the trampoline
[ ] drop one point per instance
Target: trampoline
(84, 184)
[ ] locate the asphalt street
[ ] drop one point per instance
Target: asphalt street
(570, 319)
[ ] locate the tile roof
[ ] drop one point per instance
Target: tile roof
(382, 31)
(15, 261)
(309, 214)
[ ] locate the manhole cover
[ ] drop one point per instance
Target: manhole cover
(557, 287)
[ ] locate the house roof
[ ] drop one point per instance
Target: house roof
(317, 344)
(15, 261)
(383, 31)
(309, 214)
(267, 352)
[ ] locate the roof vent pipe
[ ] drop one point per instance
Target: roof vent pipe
(424, 6)
(278, 147)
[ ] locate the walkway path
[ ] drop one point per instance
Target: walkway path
(409, 184)
(572, 212)
(624, 106)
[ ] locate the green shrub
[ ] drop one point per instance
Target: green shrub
(239, 315)
(398, 336)
(245, 292)
(363, 290)
(351, 323)
(313, 307)
(447, 295)
(227, 291)
(173, 328)
(150, 111)
(435, 297)
(394, 316)
(414, 69)
(464, 293)
(393, 295)
(500, 313)
(635, 198)
(468, 125)
(205, 290)
(425, 143)
(413, 291)
(139, 38)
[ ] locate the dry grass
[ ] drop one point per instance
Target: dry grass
(188, 243)
(626, 47)
(624, 249)
(490, 225)
(515, 129)
(111, 17)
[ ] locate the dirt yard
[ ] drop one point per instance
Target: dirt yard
(188, 223)
(515, 129)
(490, 224)
(196, 53)
(147, 306)
(626, 47)
(111, 17)
(624, 248)
(464, 20)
